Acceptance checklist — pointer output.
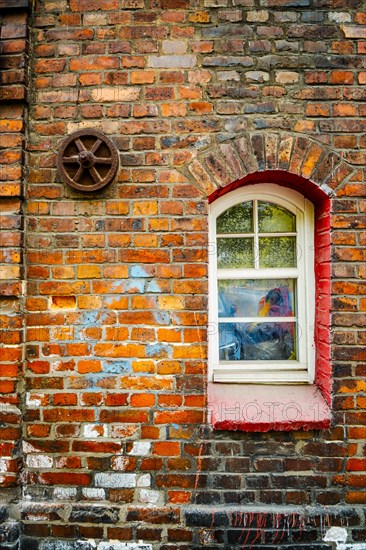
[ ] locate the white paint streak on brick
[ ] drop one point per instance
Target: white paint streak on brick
(93, 431)
(33, 401)
(39, 461)
(93, 494)
(28, 448)
(339, 17)
(65, 493)
(148, 496)
(144, 480)
(115, 480)
(38, 517)
(3, 465)
(140, 448)
(119, 462)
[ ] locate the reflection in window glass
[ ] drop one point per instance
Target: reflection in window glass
(237, 219)
(256, 298)
(273, 218)
(257, 341)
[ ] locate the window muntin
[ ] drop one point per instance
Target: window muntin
(262, 287)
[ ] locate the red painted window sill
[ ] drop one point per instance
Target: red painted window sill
(261, 408)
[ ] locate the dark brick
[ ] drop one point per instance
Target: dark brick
(96, 514)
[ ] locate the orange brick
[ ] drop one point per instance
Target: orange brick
(179, 497)
(65, 399)
(166, 448)
(201, 107)
(89, 366)
(89, 272)
(169, 335)
(142, 400)
(345, 110)
(168, 400)
(150, 432)
(341, 77)
(145, 208)
(173, 109)
(142, 77)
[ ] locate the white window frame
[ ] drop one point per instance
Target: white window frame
(267, 372)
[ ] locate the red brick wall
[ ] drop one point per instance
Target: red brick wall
(116, 444)
(13, 47)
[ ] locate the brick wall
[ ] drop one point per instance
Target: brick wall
(195, 95)
(13, 47)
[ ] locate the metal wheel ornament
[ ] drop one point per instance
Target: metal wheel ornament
(87, 160)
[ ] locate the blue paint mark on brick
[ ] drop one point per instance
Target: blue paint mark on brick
(156, 350)
(117, 367)
(78, 335)
(89, 319)
(153, 286)
(96, 380)
(162, 317)
(137, 285)
(138, 271)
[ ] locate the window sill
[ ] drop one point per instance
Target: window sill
(261, 408)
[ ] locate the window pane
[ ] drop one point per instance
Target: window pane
(277, 252)
(237, 219)
(257, 341)
(230, 348)
(275, 219)
(256, 298)
(235, 252)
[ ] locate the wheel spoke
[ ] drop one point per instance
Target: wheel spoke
(95, 175)
(103, 160)
(71, 160)
(80, 145)
(78, 174)
(96, 146)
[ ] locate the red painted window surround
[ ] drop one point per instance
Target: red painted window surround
(260, 408)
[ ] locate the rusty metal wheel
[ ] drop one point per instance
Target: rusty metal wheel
(87, 160)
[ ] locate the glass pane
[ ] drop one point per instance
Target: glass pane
(257, 341)
(230, 348)
(277, 252)
(256, 298)
(237, 219)
(235, 252)
(275, 219)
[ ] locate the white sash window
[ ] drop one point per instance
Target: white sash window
(261, 285)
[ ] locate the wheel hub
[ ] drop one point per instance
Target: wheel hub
(86, 159)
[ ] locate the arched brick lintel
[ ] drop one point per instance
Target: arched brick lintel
(306, 187)
(293, 160)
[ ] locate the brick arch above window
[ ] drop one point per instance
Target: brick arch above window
(243, 159)
(314, 170)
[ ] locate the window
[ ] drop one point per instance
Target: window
(261, 313)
